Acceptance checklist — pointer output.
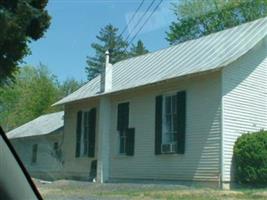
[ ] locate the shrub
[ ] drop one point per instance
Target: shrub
(250, 156)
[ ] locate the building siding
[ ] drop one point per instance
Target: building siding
(244, 94)
(76, 167)
(201, 160)
(47, 165)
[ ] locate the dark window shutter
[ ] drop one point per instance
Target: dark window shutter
(92, 129)
(158, 125)
(130, 132)
(181, 121)
(123, 116)
(78, 133)
(85, 130)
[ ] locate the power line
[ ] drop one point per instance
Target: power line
(144, 23)
(125, 28)
(140, 19)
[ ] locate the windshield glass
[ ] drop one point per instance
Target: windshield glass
(137, 99)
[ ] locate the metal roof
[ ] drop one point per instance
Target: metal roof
(42, 125)
(204, 54)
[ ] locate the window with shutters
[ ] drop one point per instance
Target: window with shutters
(86, 124)
(125, 134)
(84, 134)
(170, 123)
(169, 126)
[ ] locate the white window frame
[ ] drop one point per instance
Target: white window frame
(166, 140)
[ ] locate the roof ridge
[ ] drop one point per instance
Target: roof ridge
(190, 40)
(46, 114)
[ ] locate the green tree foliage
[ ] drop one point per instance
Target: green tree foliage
(108, 40)
(198, 18)
(31, 95)
(138, 49)
(68, 86)
(250, 157)
(21, 22)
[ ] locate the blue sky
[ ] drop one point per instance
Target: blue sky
(75, 24)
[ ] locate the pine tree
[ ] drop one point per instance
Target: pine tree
(138, 49)
(108, 40)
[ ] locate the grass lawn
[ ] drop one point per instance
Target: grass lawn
(60, 190)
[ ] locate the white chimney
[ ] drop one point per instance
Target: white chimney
(106, 76)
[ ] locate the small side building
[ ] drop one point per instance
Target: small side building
(38, 144)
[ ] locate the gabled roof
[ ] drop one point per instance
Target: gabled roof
(204, 54)
(42, 125)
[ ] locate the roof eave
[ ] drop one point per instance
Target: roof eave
(28, 136)
(141, 86)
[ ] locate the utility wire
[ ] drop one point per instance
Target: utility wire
(125, 28)
(140, 19)
(144, 23)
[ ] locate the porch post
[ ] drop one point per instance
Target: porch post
(103, 153)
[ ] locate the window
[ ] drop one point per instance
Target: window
(34, 153)
(84, 134)
(57, 150)
(126, 134)
(86, 123)
(169, 126)
(170, 123)
(56, 146)
(122, 136)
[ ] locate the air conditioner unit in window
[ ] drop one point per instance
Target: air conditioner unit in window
(168, 148)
